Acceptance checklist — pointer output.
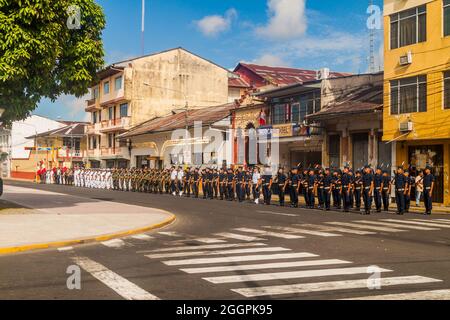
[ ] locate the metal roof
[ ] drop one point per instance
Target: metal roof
(179, 120)
(76, 129)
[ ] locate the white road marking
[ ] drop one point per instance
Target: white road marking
(63, 249)
(238, 236)
(337, 229)
(209, 240)
(421, 295)
(170, 234)
(143, 237)
(277, 265)
(114, 243)
(361, 226)
(328, 286)
(213, 253)
(419, 223)
(445, 222)
(304, 231)
(240, 258)
(440, 220)
(397, 225)
(270, 234)
(289, 275)
(279, 213)
(120, 285)
(205, 247)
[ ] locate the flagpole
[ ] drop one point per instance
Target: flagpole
(143, 28)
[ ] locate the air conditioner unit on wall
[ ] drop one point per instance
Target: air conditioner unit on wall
(406, 126)
(323, 74)
(406, 59)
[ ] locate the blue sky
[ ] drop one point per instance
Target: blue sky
(309, 34)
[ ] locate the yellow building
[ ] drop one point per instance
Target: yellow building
(62, 147)
(417, 86)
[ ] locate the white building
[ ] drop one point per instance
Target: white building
(14, 144)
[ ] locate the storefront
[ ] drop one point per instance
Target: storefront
(419, 154)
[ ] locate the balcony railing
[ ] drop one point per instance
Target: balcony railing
(93, 128)
(116, 151)
(116, 124)
(70, 154)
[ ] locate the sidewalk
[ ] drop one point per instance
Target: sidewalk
(35, 219)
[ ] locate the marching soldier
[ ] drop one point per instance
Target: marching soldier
(267, 186)
(407, 191)
(400, 189)
(327, 189)
(230, 185)
(378, 182)
(345, 189)
(368, 185)
(386, 190)
(304, 185)
(428, 186)
(294, 185)
(281, 180)
(312, 188)
(358, 187)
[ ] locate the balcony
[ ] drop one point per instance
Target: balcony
(93, 128)
(114, 152)
(93, 153)
(113, 97)
(121, 124)
(92, 105)
(66, 153)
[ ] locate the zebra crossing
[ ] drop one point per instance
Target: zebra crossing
(243, 261)
(278, 265)
(294, 232)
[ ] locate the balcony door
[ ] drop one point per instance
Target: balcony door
(360, 150)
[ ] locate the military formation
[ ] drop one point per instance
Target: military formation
(320, 188)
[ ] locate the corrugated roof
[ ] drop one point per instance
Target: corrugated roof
(285, 76)
(171, 122)
(76, 129)
(238, 83)
(363, 99)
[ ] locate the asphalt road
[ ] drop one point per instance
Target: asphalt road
(227, 250)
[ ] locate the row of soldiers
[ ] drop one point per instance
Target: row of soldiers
(344, 190)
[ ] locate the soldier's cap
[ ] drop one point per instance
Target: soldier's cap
(294, 168)
(428, 167)
(327, 169)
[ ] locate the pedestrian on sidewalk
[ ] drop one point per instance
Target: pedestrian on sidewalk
(419, 187)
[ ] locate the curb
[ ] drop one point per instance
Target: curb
(38, 246)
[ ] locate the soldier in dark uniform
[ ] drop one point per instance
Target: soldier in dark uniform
(267, 185)
(351, 191)
(368, 185)
(357, 189)
(320, 190)
(327, 189)
(187, 182)
(248, 180)
(304, 186)
(428, 186)
(378, 181)
(221, 180)
(281, 181)
(195, 182)
(386, 190)
(240, 190)
(230, 185)
(337, 184)
(400, 189)
(294, 185)
(312, 180)
(215, 184)
(345, 189)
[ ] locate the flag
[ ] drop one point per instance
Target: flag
(262, 118)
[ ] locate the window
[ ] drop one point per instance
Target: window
(280, 113)
(111, 138)
(124, 110)
(409, 27)
(118, 83)
(409, 95)
(94, 142)
(446, 18)
(94, 117)
(310, 102)
(106, 87)
(111, 113)
(447, 90)
(334, 150)
(94, 93)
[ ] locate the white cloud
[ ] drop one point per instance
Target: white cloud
(268, 59)
(287, 20)
(212, 25)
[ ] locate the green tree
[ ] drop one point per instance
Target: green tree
(45, 53)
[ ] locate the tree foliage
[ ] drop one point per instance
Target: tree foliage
(41, 57)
